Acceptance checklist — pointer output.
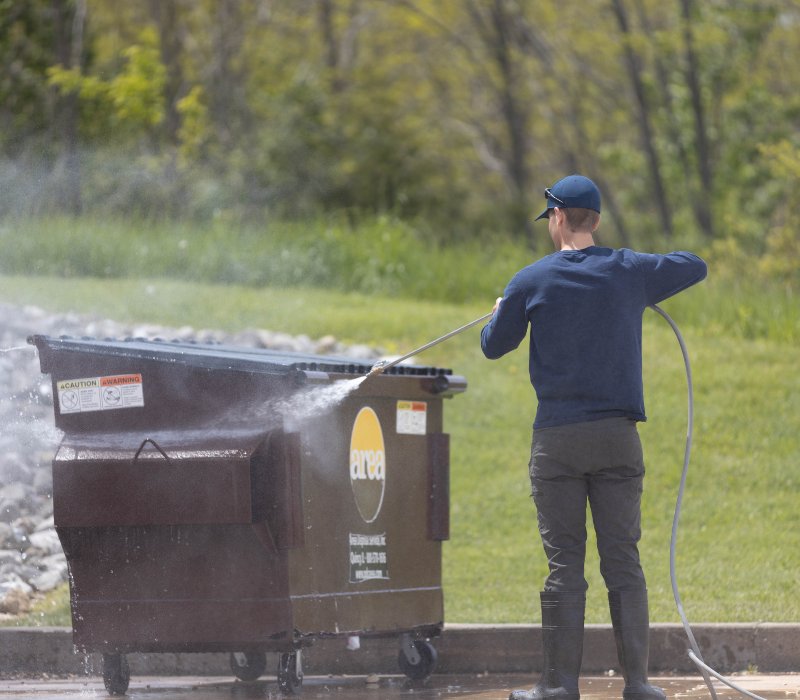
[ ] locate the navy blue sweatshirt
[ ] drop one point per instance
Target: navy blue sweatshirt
(585, 311)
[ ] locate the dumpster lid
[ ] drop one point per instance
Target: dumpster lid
(217, 356)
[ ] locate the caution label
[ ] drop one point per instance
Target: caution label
(412, 417)
(100, 393)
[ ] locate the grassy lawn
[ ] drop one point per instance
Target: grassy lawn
(739, 547)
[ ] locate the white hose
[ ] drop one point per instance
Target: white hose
(694, 652)
(726, 681)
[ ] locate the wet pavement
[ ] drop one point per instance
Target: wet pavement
(477, 687)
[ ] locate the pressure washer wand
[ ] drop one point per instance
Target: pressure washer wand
(383, 365)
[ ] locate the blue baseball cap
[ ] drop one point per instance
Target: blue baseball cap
(573, 192)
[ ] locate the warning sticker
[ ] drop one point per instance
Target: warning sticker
(412, 417)
(100, 393)
(368, 558)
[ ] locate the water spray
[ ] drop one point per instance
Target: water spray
(694, 653)
(383, 365)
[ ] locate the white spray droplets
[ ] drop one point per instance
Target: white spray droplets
(315, 400)
(16, 348)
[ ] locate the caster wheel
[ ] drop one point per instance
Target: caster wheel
(417, 660)
(116, 674)
(248, 665)
(290, 673)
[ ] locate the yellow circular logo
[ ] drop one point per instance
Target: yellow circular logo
(367, 464)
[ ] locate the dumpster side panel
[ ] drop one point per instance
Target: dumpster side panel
(439, 486)
(175, 587)
(277, 492)
(87, 493)
(373, 575)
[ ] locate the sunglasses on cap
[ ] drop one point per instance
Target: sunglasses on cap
(548, 193)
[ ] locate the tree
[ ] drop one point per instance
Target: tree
(644, 116)
(704, 166)
(452, 115)
(26, 40)
(170, 41)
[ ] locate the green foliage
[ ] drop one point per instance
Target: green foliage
(52, 610)
(194, 125)
(781, 259)
(455, 114)
(380, 256)
(131, 100)
(25, 53)
(354, 136)
(136, 91)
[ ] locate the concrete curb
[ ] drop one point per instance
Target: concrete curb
(729, 647)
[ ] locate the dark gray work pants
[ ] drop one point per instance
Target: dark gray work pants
(599, 461)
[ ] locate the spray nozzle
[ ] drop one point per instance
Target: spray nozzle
(377, 368)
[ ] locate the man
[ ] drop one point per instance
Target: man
(584, 305)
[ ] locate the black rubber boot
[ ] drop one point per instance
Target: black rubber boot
(562, 647)
(631, 621)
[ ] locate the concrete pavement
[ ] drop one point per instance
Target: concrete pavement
(475, 687)
(729, 648)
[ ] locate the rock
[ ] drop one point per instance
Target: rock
(45, 541)
(148, 331)
(304, 344)
(327, 345)
(45, 524)
(43, 482)
(19, 536)
(9, 510)
(24, 526)
(280, 341)
(10, 556)
(54, 561)
(361, 352)
(208, 335)
(24, 570)
(15, 492)
(14, 468)
(46, 508)
(249, 338)
(15, 602)
(49, 579)
(6, 535)
(14, 582)
(183, 333)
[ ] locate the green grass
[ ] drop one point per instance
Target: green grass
(739, 546)
(382, 256)
(52, 610)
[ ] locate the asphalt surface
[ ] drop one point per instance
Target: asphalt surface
(477, 687)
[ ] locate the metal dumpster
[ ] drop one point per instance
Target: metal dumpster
(204, 503)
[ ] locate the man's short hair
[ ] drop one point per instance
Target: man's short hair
(581, 219)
